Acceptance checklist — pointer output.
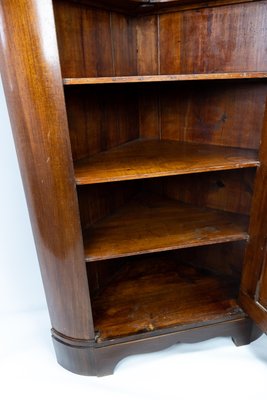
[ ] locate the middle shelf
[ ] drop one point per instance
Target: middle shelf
(151, 223)
(141, 158)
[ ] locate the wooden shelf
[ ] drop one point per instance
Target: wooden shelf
(151, 223)
(154, 158)
(153, 293)
(164, 78)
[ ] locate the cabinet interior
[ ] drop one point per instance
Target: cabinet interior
(164, 170)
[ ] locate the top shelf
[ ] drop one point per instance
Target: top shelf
(164, 78)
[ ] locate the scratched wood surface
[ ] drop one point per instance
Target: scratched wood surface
(161, 292)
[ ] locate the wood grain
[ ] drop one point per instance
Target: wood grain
(94, 42)
(254, 278)
(223, 258)
(161, 292)
(222, 190)
(154, 158)
(205, 41)
(214, 40)
(164, 78)
(81, 32)
(219, 113)
(101, 118)
(31, 75)
(150, 223)
(142, 303)
(99, 201)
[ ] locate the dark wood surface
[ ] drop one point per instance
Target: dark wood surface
(150, 223)
(222, 190)
(101, 43)
(32, 81)
(105, 116)
(195, 41)
(153, 158)
(147, 7)
(222, 49)
(160, 292)
(254, 279)
(101, 359)
(101, 118)
(204, 112)
(94, 42)
(165, 78)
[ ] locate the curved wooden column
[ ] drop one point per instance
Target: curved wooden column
(33, 86)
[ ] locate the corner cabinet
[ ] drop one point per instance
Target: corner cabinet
(141, 133)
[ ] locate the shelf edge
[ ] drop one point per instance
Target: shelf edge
(164, 78)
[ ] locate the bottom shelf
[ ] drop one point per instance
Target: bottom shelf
(155, 293)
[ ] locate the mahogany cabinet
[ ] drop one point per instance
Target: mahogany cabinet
(141, 133)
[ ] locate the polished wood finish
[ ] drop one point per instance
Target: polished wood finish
(101, 360)
(150, 223)
(254, 280)
(164, 78)
(32, 83)
(153, 158)
(174, 166)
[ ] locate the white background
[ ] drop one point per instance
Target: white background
(28, 368)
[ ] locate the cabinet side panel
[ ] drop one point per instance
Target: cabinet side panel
(32, 81)
(254, 282)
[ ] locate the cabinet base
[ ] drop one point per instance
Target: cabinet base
(94, 359)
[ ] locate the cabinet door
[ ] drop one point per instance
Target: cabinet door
(253, 291)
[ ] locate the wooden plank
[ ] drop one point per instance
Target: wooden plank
(149, 112)
(213, 112)
(223, 190)
(160, 292)
(195, 41)
(153, 158)
(164, 78)
(84, 40)
(101, 118)
(147, 45)
(124, 44)
(151, 223)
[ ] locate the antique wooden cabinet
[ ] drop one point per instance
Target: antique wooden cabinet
(141, 133)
